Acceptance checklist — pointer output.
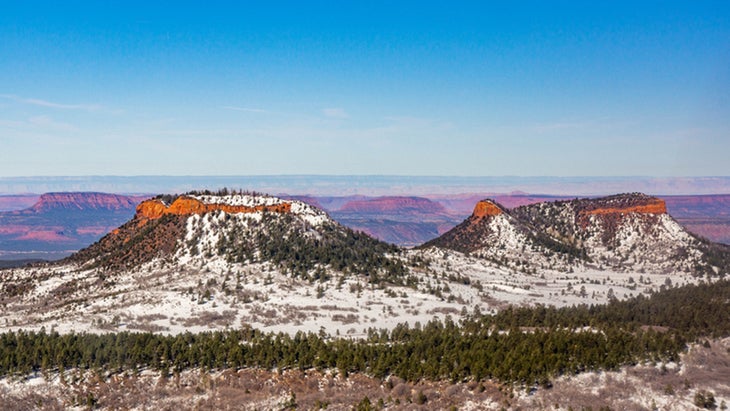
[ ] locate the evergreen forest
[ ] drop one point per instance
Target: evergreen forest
(528, 345)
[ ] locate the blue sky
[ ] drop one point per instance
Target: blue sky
(412, 88)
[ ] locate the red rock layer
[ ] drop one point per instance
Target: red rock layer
(654, 206)
(486, 208)
(153, 209)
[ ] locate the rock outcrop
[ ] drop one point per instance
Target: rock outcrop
(155, 208)
(614, 209)
(657, 207)
(486, 208)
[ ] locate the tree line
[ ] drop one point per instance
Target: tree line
(519, 345)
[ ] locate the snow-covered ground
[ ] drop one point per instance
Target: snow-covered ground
(197, 294)
(666, 387)
(671, 386)
(311, 214)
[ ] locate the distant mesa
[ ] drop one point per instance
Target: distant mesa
(393, 204)
(58, 223)
(82, 201)
(45, 235)
(402, 220)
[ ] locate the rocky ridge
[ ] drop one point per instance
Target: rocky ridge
(185, 205)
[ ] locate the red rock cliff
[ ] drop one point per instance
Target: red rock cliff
(486, 208)
(653, 206)
(153, 209)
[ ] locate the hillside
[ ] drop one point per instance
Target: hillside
(634, 354)
(243, 229)
(626, 232)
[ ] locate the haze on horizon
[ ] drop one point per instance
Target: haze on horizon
(413, 88)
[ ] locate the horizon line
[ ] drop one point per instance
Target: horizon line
(356, 175)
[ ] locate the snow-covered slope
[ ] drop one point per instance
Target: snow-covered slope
(493, 233)
(627, 233)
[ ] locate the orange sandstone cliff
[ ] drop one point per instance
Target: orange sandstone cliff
(486, 208)
(611, 213)
(153, 209)
(653, 206)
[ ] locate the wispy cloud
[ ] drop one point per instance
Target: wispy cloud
(594, 124)
(246, 109)
(559, 126)
(46, 122)
(36, 124)
(51, 104)
(10, 123)
(335, 113)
